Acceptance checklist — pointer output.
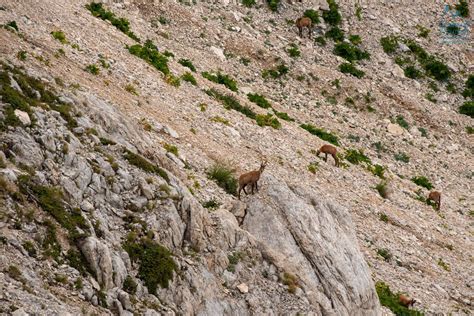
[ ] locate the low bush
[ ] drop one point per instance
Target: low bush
(60, 36)
(313, 15)
(356, 157)
(268, 120)
(283, 116)
(436, 69)
(389, 44)
(463, 8)
(293, 51)
(382, 189)
(211, 204)
(224, 177)
(156, 264)
(172, 80)
(273, 5)
(122, 24)
(469, 87)
(422, 182)
(333, 139)
(187, 63)
(149, 53)
(171, 149)
(259, 100)
(355, 39)
(93, 69)
(412, 73)
(332, 16)
(350, 52)
(144, 164)
(248, 3)
(335, 33)
(13, 25)
(402, 157)
(188, 77)
(453, 29)
(391, 301)
(349, 68)
(129, 285)
(320, 41)
(230, 102)
(378, 170)
(384, 253)
(400, 120)
(275, 73)
(467, 108)
(223, 79)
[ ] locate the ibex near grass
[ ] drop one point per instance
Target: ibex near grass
(304, 22)
(251, 178)
(435, 196)
(331, 150)
(406, 301)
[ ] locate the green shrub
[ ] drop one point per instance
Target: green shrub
(443, 265)
(412, 72)
(355, 39)
(453, 29)
(463, 8)
(15, 273)
(313, 15)
(378, 170)
(50, 243)
(30, 248)
(172, 80)
(293, 51)
(230, 102)
(335, 33)
(391, 301)
(402, 157)
(129, 285)
(422, 182)
(423, 31)
(349, 68)
(350, 52)
(356, 157)
(144, 164)
(13, 25)
(382, 189)
(122, 24)
(248, 3)
(224, 177)
(275, 73)
(22, 55)
(220, 78)
(400, 120)
(430, 97)
(469, 87)
(150, 54)
(211, 204)
(171, 149)
(51, 200)
(332, 16)
(467, 108)
(273, 5)
(156, 264)
(389, 44)
(131, 89)
(320, 40)
(383, 217)
(333, 139)
(77, 260)
(313, 167)
(187, 63)
(283, 116)
(267, 120)
(93, 69)
(384, 253)
(436, 69)
(416, 49)
(60, 36)
(259, 100)
(188, 77)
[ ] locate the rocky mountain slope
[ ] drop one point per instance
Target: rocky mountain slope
(107, 203)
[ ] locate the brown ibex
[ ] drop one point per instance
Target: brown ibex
(331, 150)
(251, 178)
(304, 22)
(435, 196)
(405, 300)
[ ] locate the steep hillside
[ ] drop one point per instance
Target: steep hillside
(114, 117)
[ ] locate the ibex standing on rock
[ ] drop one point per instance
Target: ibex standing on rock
(251, 178)
(304, 22)
(331, 150)
(435, 196)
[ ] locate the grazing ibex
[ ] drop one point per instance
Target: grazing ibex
(304, 22)
(405, 300)
(251, 178)
(331, 150)
(435, 196)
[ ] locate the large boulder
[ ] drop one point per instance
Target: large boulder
(313, 238)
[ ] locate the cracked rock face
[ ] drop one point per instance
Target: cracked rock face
(314, 239)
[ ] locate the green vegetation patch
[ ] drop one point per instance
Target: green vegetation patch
(333, 139)
(259, 100)
(144, 164)
(313, 15)
(267, 120)
(349, 68)
(463, 8)
(188, 77)
(156, 264)
(467, 108)
(223, 79)
(391, 301)
(356, 157)
(275, 73)
(230, 102)
(422, 182)
(389, 44)
(149, 53)
(332, 16)
(122, 24)
(469, 87)
(187, 63)
(224, 177)
(335, 33)
(350, 52)
(273, 5)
